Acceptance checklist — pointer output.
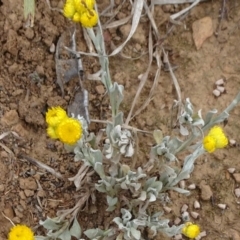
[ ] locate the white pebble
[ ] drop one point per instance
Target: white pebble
(52, 48)
(195, 215)
(188, 176)
(192, 186)
(198, 237)
(140, 77)
(216, 93)
(237, 192)
(184, 208)
(177, 221)
(185, 217)
(231, 170)
(219, 82)
(203, 234)
(221, 89)
(178, 237)
(167, 209)
(182, 184)
(196, 204)
(222, 206)
(232, 142)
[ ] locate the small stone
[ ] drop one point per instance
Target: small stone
(177, 221)
(167, 209)
(3, 154)
(232, 142)
(202, 29)
(184, 208)
(18, 213)
(185, 216)
(236, 177)
(231, 170)
(196, 204)
(182, 184)
(8, 211)
(219, 82)
(20, 130)
(28, 193)
(216, 93)
(16, 220)
(195, 215)
(100, 89)
(22, 195)
(28, 183)
(178, 237)
(41, 193)
(52, 48)
(206, 192)
(221, 89)
(10, 118)
(222, 206)
(237, 192)
(203, 234)
(29, 33)
(17, 92)
(192, 186)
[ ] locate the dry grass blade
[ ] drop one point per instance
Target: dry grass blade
(43, 166)
(77, 179)
(113, 15)
(111, 6)
(175, 82)
(163, 2)
(3, 135)
(155, 82)
(158, 59)
(136, 11)
(117, 23)
(182, 12)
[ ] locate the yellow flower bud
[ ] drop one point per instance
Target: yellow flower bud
(69, 9)
(89, 18)
(209, 144)
(77, 17)
(51, 131)
(55, 115)
(82, 5)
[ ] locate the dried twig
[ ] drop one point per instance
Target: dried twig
(222, 16)
(175, 82)
(42, 165)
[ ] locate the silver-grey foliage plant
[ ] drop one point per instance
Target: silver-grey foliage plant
(117, 180)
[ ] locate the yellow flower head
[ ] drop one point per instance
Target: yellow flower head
(69, 131)
(191, 230)
(215, 139)
(55, 115)
(20, 232)
(89, 18)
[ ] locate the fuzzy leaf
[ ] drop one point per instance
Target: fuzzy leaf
(135, 233)
(76, 230)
